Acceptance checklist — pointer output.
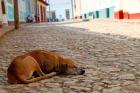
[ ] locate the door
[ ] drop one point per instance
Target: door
(41, 9)
(85, 16)
(97, 14)
(3, 7)
(107, 13)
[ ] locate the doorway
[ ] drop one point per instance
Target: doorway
(3, 7)
(67, 12)
(97, 14)
(85, 16)
(107, 13)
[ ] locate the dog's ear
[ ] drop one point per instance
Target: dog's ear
(62, 68)
(64, 65)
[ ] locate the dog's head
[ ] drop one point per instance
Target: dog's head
(69, 67)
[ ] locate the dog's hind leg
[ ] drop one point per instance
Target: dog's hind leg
(39, 71)
(26, 81)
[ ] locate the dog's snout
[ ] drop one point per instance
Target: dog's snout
(82, 71)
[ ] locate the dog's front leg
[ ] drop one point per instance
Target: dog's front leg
(51, 74)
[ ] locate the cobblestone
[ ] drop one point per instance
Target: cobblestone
(111, 62)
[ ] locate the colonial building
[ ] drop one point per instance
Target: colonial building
(128, 9)
(38, 8)
(92, 9)
(7, 11)
(24, 10)
(41, 10)
(120, 9)
(34, 8)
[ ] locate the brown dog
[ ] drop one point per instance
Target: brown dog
(33, 66)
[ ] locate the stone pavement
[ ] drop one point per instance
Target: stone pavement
(112, 62)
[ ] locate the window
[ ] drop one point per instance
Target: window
(107, 12)
(97, 14)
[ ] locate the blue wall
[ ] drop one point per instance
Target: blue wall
(10, 12)
(22, 15)
(102, 13)
(27, 3)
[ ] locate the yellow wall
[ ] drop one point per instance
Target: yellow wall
(40, 4)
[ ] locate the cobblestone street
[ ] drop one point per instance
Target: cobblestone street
(112, 62)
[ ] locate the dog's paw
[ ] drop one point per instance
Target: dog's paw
(51, 74)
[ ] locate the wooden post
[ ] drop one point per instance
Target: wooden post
(16, 14)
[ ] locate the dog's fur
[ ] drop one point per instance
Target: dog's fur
(33, 66)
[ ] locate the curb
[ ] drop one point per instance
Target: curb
(5, 33)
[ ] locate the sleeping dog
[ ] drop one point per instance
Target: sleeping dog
(36, 65)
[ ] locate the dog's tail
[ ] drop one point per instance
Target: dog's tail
(26, 81)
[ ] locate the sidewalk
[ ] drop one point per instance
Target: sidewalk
(128, 28)
(5, 29)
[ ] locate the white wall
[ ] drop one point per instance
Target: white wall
(59, 6)
(131, 6)
(93, 5)
(77, 7)
(89, 6)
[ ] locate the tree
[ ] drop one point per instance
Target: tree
(16, 14)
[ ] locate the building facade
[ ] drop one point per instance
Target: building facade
(120, 9)
(93, 9)
(59, 10)
(24, 10)
(7, 11)
(125, 10)
(36, 8)
(41, 10)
